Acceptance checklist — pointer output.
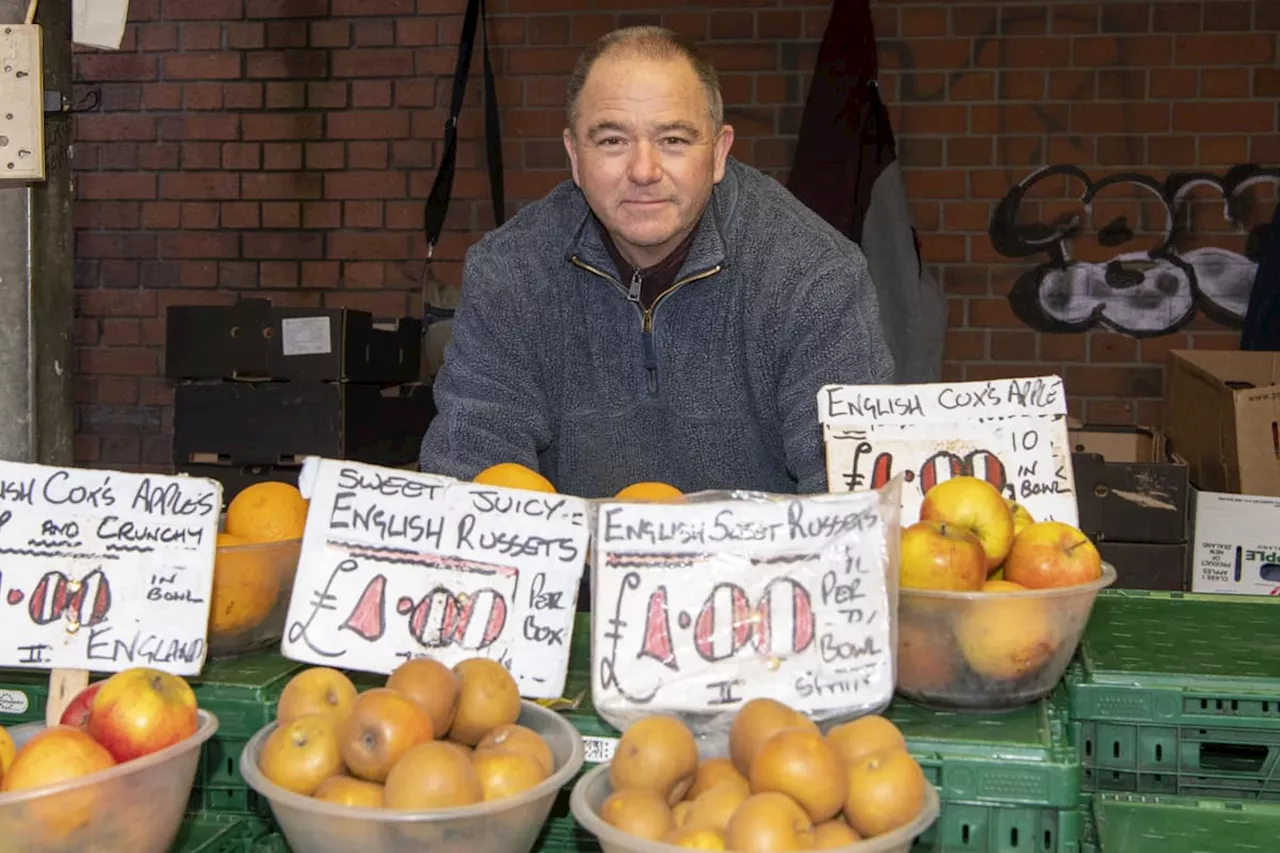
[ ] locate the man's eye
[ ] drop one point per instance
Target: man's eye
(610, 140)
(675, 140)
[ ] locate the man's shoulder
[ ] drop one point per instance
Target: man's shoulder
(764, 213)
(539, 227)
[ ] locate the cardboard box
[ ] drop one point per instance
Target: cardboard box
(253, 340)
(1128, 487)
(1222, 415)
(1237, 544)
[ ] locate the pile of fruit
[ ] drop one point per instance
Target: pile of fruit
(431, 738)
(784, 786)
(513, 475)
(971, 539)
(132, 714)
(248, 581)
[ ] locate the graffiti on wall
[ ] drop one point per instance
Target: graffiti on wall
(1142, 292)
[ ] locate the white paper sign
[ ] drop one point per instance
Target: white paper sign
(1010, 432)
(104, 570)
(396, 564)
(702, 606)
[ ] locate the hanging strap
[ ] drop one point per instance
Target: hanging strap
(442, 189)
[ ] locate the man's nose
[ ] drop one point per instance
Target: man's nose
(645, 167)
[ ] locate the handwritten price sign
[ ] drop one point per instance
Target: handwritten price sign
(1010, 432)
(396, 564)
(104, 570)
(702, 606)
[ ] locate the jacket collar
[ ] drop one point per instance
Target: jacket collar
(707, 251)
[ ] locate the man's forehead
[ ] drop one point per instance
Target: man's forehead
(635, 90)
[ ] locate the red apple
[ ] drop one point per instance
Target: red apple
(941, 556)
(977, 506)
(77, 712)
(1051, 554)
(140, 711)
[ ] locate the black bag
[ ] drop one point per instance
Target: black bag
(438, 299)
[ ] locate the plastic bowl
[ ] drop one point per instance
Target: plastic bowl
(593, 789)
(136, 806)
(252, 586)
(989, 651)
(509, 825)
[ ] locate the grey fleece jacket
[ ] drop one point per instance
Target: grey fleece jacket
(552, 365)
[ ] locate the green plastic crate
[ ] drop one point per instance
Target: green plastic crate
(213, 833)
(1181, 825)
(1179, 659)
(23, 693)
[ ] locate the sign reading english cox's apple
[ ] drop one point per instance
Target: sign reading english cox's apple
(105, 570)
(1010, 432)
(702, 605)
(397, 564)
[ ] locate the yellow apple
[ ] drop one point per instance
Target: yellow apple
(140, 711)
(1052, 554)
(1007, 636)
(1022, 518)
(978, 507)
(941, 556)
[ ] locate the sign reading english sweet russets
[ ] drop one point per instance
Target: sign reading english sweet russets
(397, 564)
(105, 570)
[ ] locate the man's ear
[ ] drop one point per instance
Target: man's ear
(571, 149)
(724, 141)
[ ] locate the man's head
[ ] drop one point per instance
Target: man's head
(646, 138)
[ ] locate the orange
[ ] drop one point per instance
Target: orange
(513, 475)
(886, 791)
(246, 586)
(650, 491)
(267, 512)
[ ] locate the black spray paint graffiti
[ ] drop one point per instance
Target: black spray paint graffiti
(1140, 293)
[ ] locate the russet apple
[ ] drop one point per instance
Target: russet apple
(316, 690)
(383, 725)
(942, 556)
(140, 711)
(1052, 554)
(302, 753)
(977, 506)
(77, 710)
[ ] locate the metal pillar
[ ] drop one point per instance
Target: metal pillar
(37, 255)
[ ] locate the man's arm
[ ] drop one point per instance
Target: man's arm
(490, 399)
(831, 335)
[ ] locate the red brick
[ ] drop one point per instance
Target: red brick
(322, 214)
(202, 96)
(126, 361)
(200, 215)
(301, 245)
(286, 156)
(368, 125)
(286, 95)
(272, 9)
(203, 10)
(1237, 117)
(242, 96)
(415, 32)
(1175, 83)
(202, 66)
(332, 95)
(370, 94)
(356, 185)
(240, 214)
(367, 155)
(373, 34)
(116, 186)
(367, 62)
(200, 127)
(115, 127)
(201, 155)
(287, 64)
(200, 244)
(1266, 82)
(283, 126)
(245, 35)
(201, 37)
(278, 273)
(1218, 49)
(280, 185)
(362, 214)
(1225, 83)
(285, 34)
(1224, 151)
(935, 118)
(281, 214)
(1178, 16)
(380, 303)
(98, 68)
(349, 8)
(1132, 117)
(156, 37)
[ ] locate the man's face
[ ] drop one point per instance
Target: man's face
(646, 153)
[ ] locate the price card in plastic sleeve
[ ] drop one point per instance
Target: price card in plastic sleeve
(702, 605)
(397, 564)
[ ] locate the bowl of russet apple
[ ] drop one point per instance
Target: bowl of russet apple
(991, 602)
(439, 758)
(783, 786)
(255, 561)
(115, 774)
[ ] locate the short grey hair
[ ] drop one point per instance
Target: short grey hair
(646, 42)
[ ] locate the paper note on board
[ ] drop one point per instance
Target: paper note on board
(699, 607)
(396, 564)
(105, 570)
(1010, 432)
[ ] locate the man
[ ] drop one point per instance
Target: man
(668, 315)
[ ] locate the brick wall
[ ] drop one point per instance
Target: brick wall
(284, 147)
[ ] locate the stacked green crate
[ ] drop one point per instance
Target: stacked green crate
(1179, 694)
(1008, 781)
(1134, 823)
(215, 833)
